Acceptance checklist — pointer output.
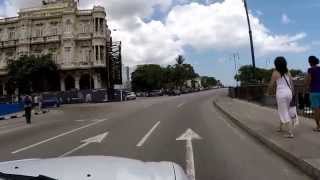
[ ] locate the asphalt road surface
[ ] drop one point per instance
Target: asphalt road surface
(147, 129)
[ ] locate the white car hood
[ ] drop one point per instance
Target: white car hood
(94, 168)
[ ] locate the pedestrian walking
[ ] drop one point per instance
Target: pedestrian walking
(36, 103)
(40, 103)
(284, 94)
(313, 84)
(27, 108)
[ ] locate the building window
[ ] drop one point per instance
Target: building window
(97, 53)
(54, 31)
(101, 53)
(101, 25)
(68, 26)
(67, 52)
(12, 34)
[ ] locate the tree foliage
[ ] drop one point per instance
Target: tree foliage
(33, 74)
(261, 75)
(151, 76)
(208, 81)
(147, 77)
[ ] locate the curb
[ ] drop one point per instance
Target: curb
(20, 115)
(303, 165)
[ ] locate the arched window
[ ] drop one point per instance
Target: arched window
(68, 26)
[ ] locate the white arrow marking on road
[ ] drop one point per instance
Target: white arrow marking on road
(86, 142)
(188, 136)
(180, 105)
(58, 136)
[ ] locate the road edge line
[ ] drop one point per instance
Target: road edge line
(301, 164)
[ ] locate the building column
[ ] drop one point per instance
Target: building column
(93, 56)
(96, 80)
(62, 85)
(99, 53)
(4, 91)
(77, 82)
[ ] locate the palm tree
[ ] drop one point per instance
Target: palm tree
(180, 60)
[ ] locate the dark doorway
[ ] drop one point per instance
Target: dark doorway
(85, 82)
(69, 82)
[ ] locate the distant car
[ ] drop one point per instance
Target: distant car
(131, 96)
(155, 93)
(50, 102)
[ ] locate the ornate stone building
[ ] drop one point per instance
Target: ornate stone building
(77, 40)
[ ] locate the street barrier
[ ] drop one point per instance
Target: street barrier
(10, 108)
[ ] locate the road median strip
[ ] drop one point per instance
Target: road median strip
(307, 167)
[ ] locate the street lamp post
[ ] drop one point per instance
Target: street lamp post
(251, 39)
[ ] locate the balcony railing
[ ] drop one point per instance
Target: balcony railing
(37, 40)
(9, 43)
(53, 38)
(84, 36)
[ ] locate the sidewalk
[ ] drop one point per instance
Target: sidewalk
(262, 123)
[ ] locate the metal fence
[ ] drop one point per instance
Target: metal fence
(256, 93)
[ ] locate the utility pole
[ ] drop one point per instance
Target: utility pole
(251, 40)
(236, 58)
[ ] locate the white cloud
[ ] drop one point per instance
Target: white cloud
(147, 42)
(285, 19)
(217, 25)
(223, 26)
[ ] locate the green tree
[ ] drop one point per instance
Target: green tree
(296, 73)
(33, 74)
(182, 72)
(208, 81)
(147, 77)
(245, 75)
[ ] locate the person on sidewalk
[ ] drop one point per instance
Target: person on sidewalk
(313, 84)
(282, 79)
(27, 108)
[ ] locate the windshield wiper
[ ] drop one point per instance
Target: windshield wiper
(4, 176)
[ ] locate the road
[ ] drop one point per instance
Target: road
(147, 129)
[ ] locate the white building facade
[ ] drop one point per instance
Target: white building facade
(76, 39)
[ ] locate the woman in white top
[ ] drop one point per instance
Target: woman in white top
(282, 78)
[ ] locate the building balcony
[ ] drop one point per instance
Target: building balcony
(53, 38)
(9, 43)
(37, 40)
(84, 36)
(24, 41)
(80, 65)
(100, 34)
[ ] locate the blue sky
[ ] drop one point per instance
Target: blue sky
(208, 32)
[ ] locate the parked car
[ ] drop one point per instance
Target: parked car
(174, 92)
(155, 93)
(131, 96)
(50, 102)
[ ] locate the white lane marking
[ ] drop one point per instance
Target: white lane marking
(84, 120)
(80, 120)
(144, 139)
(188, 136)
(86, 142)
(180, 105)
(58, 136)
